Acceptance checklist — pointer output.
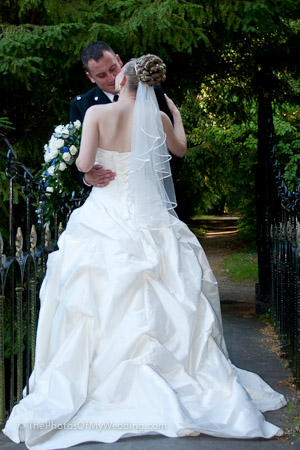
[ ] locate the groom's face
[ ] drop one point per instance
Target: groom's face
(104, 71)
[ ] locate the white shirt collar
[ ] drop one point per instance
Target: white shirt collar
(109, 95)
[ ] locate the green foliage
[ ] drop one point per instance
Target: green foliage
(4, 197)
(5, 124)
(195, 190)
(218, 172)
(242, 266)
(138, 21)
(287, 130)
(266, 317)
(199, 232)
(213, 49)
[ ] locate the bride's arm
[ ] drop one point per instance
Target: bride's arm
(89, 140)
(176, 138)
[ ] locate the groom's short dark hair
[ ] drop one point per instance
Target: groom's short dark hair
(94, 51)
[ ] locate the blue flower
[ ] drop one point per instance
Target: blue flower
(71, 139)
(65, 149)
(53, 160)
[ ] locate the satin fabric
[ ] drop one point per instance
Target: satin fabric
(130, 338)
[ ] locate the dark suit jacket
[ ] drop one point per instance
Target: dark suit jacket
(95, 96)
(81, 103)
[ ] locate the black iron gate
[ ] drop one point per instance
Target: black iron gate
(22, 268)
(278, 232)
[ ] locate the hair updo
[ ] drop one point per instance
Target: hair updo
(148, 69)
(151, 70)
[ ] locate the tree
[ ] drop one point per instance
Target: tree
(215, 44)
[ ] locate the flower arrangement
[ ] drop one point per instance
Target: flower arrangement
(59, 155)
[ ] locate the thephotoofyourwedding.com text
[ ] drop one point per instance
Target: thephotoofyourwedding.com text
(98, 426)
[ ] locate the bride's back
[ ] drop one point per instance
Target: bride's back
(115, 125)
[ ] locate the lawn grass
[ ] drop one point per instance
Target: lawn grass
(242, 266)
(205, 217)
(214, 216)
(198, 231)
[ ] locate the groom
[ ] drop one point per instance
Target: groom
(103, 65)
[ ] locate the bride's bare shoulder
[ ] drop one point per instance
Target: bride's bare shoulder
(99, 109)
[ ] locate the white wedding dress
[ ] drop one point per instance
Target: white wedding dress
(130, 337)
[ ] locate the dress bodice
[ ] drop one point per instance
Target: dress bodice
(118, 162)
(117, 190)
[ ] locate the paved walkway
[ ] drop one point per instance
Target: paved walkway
(251, 345)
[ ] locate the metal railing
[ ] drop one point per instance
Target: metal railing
(22, 268)
(285, 269)
(278, 235)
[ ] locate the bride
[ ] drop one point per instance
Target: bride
(130, 338)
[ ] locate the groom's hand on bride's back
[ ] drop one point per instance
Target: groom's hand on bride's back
(99, 177)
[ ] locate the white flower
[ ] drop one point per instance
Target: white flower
(47, 157)
(51, 170)
(61, 167)
(59, 129)
(66, 156)
(65, 132)
(73, 149)
(77, 124)
(59, 143)
(52, 145)
(46, 147)
(49, 189)
(51, 141)
(53, 152)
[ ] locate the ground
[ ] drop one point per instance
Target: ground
(238, 310)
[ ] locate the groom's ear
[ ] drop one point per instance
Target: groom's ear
(119, 60)
(90, 77)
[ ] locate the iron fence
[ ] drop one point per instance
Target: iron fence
(23, 256)
(285, 268)
(278, 235)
